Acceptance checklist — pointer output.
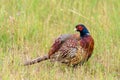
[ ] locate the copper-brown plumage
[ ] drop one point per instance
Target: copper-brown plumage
(70, 49)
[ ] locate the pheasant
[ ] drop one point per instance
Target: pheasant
(70, 49)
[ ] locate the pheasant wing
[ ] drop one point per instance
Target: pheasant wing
(57, 44)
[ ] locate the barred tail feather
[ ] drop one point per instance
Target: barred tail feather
(37, 60)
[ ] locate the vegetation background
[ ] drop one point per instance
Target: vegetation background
(28, 28)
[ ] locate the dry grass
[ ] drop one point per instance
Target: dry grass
(28, 28)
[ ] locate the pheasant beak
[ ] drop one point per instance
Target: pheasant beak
(75, 29)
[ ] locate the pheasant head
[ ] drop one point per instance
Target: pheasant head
(82, 29)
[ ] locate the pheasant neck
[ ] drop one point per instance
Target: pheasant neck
(84, 34)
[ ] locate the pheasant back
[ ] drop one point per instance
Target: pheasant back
(70, 52)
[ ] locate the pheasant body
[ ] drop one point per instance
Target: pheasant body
(70, 49)
(67, 51)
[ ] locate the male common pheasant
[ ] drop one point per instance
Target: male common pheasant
(70, 49)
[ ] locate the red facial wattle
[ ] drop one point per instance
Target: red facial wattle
(80, 28)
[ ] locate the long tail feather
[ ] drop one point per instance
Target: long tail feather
(37, 60)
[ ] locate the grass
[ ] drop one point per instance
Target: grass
(28, 28)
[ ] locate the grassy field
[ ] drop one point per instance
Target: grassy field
(28, 28)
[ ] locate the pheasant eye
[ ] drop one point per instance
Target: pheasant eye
(80, 28)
